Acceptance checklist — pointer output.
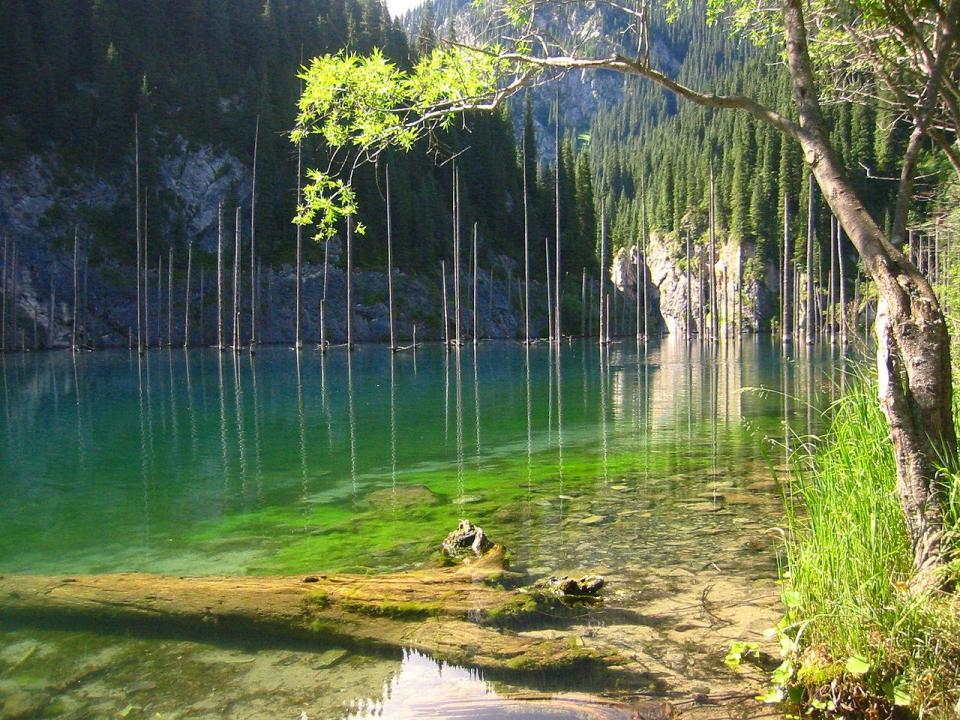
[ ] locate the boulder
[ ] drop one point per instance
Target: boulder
(467, 536)
(565, 586)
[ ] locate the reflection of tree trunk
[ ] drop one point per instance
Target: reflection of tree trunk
(913, 352)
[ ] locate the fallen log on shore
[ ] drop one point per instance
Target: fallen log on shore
(450, 613)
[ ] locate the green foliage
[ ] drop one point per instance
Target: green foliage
(852, 623)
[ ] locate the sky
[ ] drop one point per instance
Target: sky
(399, 7)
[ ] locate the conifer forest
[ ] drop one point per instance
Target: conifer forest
(484, 359)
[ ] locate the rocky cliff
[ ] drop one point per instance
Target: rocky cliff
(40, 205)
(747, 290)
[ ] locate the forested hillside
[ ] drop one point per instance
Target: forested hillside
(73, 77)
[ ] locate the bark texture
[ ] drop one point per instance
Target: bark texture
(913, 352)
(449, 613)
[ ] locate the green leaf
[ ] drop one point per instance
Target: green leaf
(771, 696)
(857, 665)
(791, 598)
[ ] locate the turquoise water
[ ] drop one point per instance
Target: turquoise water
(651, 465)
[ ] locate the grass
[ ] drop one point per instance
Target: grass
(857, 641)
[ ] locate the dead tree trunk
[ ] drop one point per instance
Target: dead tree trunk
(550, 328)
(253, 242)
(146, 275)
(811, 236)
(297, 342)
(714, 321)
(350, 284)
(76, 288)
(643, 240)
(236, 283)
(443, 285)
(434, 611)
(186, 298)
(787, 290)
(159, 300)
(220, 345)
(140, 259)
(526, 250)
(170, 298)
(393, 342)
(3, 300)
(689, 298)
(476, 336)
(557, 307)
(603, 271)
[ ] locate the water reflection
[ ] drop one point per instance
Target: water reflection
(163, 448)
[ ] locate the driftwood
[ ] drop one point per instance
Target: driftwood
(451, 613)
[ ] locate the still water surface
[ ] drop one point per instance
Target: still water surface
(653, 466)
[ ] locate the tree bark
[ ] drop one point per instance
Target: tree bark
(445, 612)
(913, 349)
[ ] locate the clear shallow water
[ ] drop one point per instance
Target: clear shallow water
(649, 467)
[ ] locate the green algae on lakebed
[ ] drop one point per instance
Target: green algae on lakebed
(637, 466)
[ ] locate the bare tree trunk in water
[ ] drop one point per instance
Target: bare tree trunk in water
(714, 327)
(526, 250)
(140, 260)
(393, 344)
(811, 236)
(476, 338)
(220, 277)
(689, 298)
(186, 298)
(913, 347)
(297, 342)
(643, 240)
(350, 284)
(76, 287)
(170, 298)
(787, 287)
(253, 242)
(236, 283)
(146, 276)
(3, 300)
(603, 271)
(443, 283)
(546, 243)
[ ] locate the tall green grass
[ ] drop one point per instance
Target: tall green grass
(848, 563)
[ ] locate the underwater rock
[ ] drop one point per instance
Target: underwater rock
(403, 496)
(467, 536)
(587, 586)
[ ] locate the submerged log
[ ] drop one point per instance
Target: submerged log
(448, 612)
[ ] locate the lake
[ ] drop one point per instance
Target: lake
(656, 467)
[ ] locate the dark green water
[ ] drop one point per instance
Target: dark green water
(651, 467)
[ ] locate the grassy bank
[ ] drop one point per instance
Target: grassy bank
(856, 641)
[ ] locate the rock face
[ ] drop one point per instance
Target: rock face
(746, 291)
(41, 203)
(466, 537)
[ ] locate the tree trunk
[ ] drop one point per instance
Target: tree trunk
(297, 343)
(786, 290)
(913, 348)
(220, 277)
(186, 298)
(601, 291)
(434, 611)
(526, 250)
(393, 344)
(253, 241)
